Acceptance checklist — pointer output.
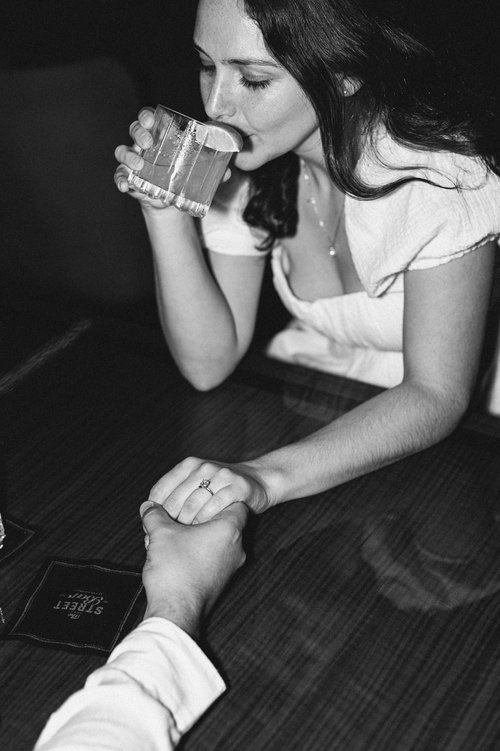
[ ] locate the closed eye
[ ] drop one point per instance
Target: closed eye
(248, 83)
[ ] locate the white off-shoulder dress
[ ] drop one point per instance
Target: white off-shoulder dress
(417, 226)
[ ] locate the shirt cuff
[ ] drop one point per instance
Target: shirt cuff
(170, 667)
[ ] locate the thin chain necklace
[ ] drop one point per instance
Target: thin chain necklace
(312, 200)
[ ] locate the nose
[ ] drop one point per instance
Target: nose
(219, 100)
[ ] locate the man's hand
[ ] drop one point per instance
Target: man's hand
(188, 566)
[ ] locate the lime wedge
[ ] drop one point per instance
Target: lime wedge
(220, 137)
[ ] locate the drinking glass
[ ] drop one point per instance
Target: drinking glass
(186, 162)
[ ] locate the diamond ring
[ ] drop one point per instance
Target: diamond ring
(205, 485)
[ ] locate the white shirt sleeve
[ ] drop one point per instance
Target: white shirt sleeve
(419, 225)
(155, 685)
(223, 229)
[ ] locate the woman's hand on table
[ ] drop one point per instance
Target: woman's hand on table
(195, 490)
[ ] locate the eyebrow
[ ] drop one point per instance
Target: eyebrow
(242, 60)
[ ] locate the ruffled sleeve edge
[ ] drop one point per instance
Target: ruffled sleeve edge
(223, 230)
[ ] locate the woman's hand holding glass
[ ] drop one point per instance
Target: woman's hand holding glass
(129, 158)
(195, 490)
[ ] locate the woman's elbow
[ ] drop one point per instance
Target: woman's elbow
(445, 409)
(451, 416)
(205, 378)
(432, 412)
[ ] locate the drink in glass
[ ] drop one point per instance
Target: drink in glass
(186, 162)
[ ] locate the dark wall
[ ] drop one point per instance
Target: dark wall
(152, 39)
(72, 78)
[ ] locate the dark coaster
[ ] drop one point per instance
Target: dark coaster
(16, 538)
(84, 607)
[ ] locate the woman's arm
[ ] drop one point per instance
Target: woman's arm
(444, 319)
(207, 312)
(207, 315)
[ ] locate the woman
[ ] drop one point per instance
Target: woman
(368, 168)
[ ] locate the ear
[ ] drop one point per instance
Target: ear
(350, 85)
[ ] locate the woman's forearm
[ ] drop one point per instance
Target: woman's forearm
(195, 317)
(396, 423)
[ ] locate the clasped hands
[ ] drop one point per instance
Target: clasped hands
(193, 523)
(194, 491)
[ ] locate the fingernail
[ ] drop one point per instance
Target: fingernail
(145, 506)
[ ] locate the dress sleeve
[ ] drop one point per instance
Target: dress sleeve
(420, 224)
(223, 229)
(155, 685)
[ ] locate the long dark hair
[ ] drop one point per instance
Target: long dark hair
(421, 77)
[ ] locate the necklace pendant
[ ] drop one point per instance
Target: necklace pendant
(321, 222)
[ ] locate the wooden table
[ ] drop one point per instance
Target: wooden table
(333, 636)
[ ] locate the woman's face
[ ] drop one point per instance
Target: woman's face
(243, 86)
